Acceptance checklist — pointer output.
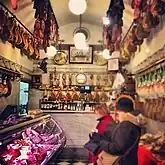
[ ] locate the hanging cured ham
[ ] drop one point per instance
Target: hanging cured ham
(15, 33)
(112, 33)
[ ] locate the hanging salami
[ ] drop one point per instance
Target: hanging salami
(45, 27)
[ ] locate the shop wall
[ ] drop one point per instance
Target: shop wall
(14, 97)
(14, 55)
(34, 97)
(154, 126)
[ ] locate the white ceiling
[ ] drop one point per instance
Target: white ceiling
(96, 9)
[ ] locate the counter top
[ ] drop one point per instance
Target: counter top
(22, 124)
(66, 111)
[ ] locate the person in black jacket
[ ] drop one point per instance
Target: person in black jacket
(122, 138)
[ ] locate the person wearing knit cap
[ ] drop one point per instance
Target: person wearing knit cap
(120, 138)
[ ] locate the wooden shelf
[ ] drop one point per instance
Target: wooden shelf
(50, 89)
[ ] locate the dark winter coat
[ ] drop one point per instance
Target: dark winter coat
(118, 142)
(101, 126)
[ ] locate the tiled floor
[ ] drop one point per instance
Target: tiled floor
(69, 162)
(71, 156)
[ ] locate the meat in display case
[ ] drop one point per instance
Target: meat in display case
(33, 145)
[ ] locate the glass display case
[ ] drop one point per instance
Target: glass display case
(34, 143)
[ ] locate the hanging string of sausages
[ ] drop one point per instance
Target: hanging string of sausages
(19, 36)
(45, 27)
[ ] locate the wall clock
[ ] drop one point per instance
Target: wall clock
(81, 78)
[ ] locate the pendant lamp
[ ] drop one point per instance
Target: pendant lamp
(51, 51)
(106, 21)
(80, 38)
(106, 54)
(77, 7)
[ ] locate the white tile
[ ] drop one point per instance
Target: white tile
(79, 163)
(63, 163)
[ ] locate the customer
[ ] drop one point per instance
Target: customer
(122, 138)
(103, 118)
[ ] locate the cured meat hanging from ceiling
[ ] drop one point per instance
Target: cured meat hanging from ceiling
(45, 27)
(112, 32)
(147, 15)
(13, 31)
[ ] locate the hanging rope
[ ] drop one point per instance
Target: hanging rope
(128, 31)
(80, 21)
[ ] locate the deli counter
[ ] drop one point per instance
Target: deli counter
(31, 141)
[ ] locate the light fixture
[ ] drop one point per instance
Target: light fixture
(80, 45)
(106, 21)
(80, 38)
(81, 78)
(106, 54)
(51, 51)
(77, 7)
(83, 46)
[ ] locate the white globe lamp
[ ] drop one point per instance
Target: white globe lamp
(106, 54)
(77, 7)
(106, 21)
(79, 37)
(79, 40)
(51, 51)
(80, 45)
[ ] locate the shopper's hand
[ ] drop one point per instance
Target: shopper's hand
(94, 130)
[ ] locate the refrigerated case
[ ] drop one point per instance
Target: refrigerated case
(32, 142)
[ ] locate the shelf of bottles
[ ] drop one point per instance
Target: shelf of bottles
(67, 105)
